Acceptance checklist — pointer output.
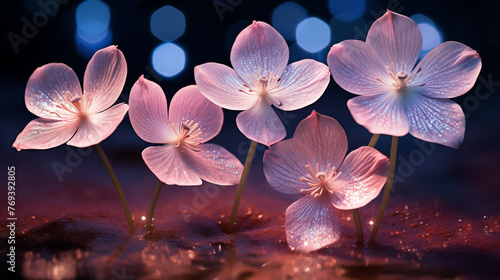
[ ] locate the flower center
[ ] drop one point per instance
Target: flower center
(261, 85)
(188, 135)
(74, 105)
(319, 180)
(400, 79)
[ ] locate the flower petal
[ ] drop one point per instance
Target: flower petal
(46, 90)
(221, 85)
(364, 172)
(284, 165)
(261, 124)
(41, 134)
(448, 71)
(302, 84)
(324, 138)
(259, 46)
(148, 112)
(380, 114)
(439, 121)
(188, 104)
(357, 68)
(311, 223)
(99, 126)
(214, 164)
(104, 78)
(169, 166)
(396, 39)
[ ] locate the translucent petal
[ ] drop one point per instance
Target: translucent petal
(221, 85)
(311, 223)
(364, 172)
(167, 163)
(396, 39)
(448, 71)
(358, 69)
(259, 46)
(45, 94)
(188, 104)
(148, 112)
(41, 134)
(302, 84)
(98, 127)
(380, 114)
(104, 78)
(214, 164)
(261, 124)
(324, 139)
(284, 165)
(439, 121)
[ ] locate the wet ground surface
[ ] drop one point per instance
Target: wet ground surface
(76, 229)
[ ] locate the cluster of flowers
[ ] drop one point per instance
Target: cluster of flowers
(396, 98)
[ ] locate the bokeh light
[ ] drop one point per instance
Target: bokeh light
(430, 33)
(95, 38)
(431, 36)
(286, 17)
(87, 49)
(168, 23)
(347, 10)
(420, 18)
(92, 27)
(168, 59)
(313, 34)
(92, 21)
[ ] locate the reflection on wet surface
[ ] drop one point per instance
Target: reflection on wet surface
(44, 265)
(416, 242)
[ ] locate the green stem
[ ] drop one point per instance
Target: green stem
(241, 185)
(152, 205)
(359, 229)
(116, 183)
(387, 191)
(357, 219)
(373, 140)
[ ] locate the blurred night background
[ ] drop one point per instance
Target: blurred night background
(165, 40)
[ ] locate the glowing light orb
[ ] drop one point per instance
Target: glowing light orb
(168, 59)
(87, 49)
(286, 17)
(431, 36)
(92, 21)
(313, 34)
(168, 23)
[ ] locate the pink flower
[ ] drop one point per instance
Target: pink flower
(193, 120)
(261, 78)
(396, 97)
(312, 163)
(54, 94)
